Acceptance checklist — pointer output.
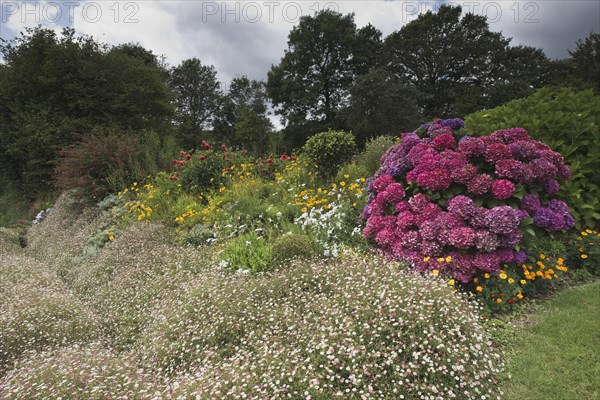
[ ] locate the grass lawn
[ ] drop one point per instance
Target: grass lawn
(558, 356)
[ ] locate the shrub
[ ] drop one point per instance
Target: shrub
(370, 158)
(465, 206)
(355, 328)
(247, 253)
(290, 246)
(569, 123)
(102, 163)
(329, 151)
(78, 372)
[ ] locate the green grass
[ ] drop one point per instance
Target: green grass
(558, 357)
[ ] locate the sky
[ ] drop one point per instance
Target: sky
(247, 37)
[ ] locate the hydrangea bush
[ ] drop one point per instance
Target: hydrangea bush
(445, 200)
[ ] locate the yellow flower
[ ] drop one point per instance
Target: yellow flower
(440, 259)
(520, 295)
(499, 300)
(503, 276)
(581, 249)
(435, 272)
(589, 231)
(362, 179)
(111, 237)
(426, 259)
(584, 234)
(523, 281)
(584, 256)
(560, 260)
(542, 256)
(346, 176)
(449, 259)
(511, 280)
(451, 282)
(486, 276)
(342, 183)
(475, 280)
(479, 289)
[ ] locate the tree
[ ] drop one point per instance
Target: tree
(456, 62)
(324, 56)
(381, 104)
(57, 86)
(585, 60)
(243, 117)
(197, 98)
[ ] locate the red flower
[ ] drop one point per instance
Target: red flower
(244, 153)
(181, 154)
(284, 157)
(187, 156)
(223, 147)
(202, 158)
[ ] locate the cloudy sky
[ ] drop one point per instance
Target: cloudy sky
(247, 37)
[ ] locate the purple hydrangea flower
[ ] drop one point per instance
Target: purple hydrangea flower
(530, 203)
(462, 207)
(520, 257)
(454, 123)
(502, 219)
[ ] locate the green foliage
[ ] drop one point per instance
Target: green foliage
(584, 251)
(197, 96)
(248, 252)
(369, 159)
(459, 65)
(568, 122)
(381, 104)
(55, 86)
(329, 151)
(585, 62)
(290, 246)
(243, 116)
(103, 163)
(204, 170)
(325, 54)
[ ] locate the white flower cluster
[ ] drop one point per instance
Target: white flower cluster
(326, 226)
(355, 328)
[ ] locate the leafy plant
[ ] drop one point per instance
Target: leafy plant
(329, 151)
(247, 253)
(291, 246)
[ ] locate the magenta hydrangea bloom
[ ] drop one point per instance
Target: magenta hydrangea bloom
(503, 189)
(438, 179)
(464, 174)
(511, 169)
(394, 192)
(472, 148)
(461, 237)
(480, 184)
(496, 152)
(445, 141)
(381, 183)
